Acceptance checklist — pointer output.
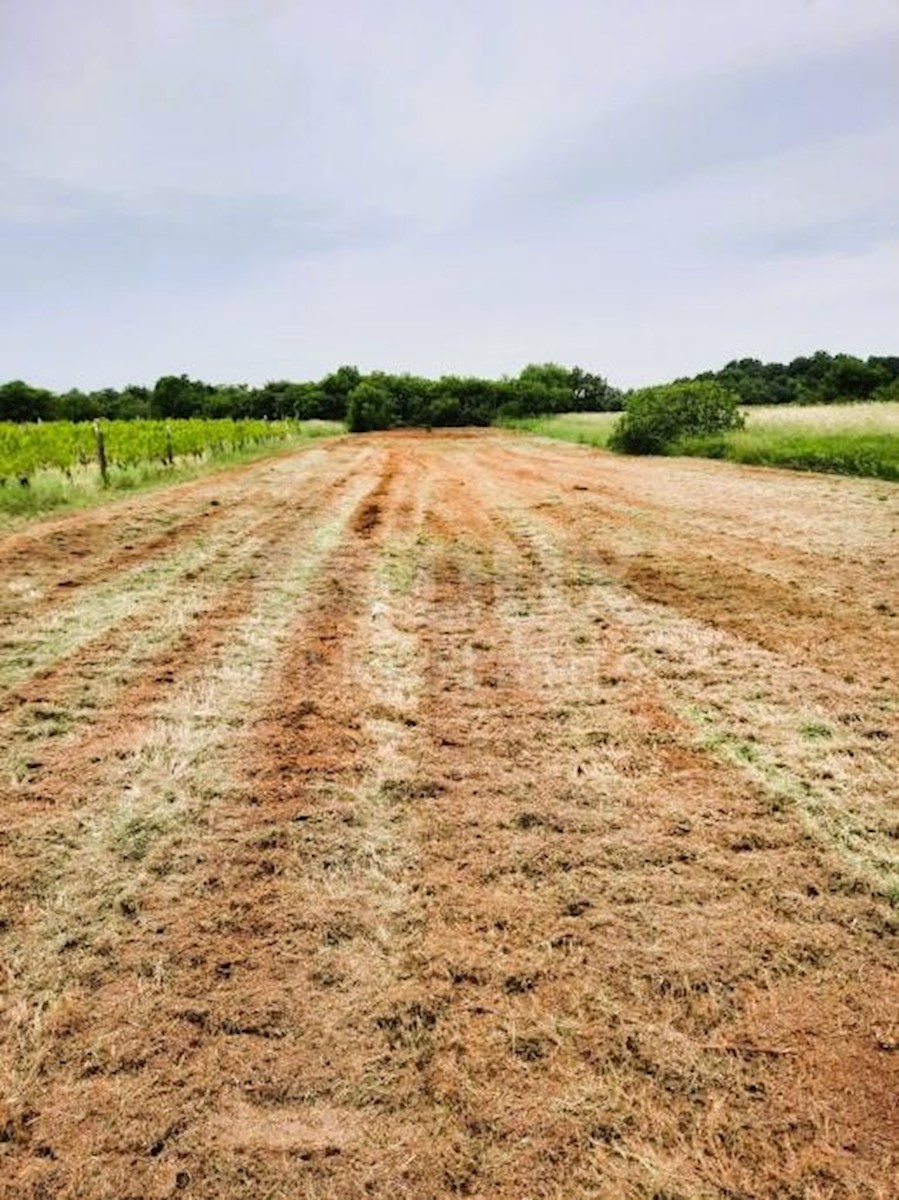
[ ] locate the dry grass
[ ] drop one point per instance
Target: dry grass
(491, 842)
(827, 418)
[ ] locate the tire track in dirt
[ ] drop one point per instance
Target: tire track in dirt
(63, 772)
(70, 626)
(143, 654)
(819, 744)
(88, 547)
(810, 593)
(243, 825)
(145, 794)
(596, 869)
(456, 899)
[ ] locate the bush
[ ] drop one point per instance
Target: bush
(655, 417)
(370, 406)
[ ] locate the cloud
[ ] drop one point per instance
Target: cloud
(56, 234)
(254, 190)
(699, 127)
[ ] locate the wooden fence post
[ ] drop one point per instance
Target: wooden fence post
(101, 453)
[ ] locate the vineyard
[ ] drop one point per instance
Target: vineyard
(45, 465)
(64, 445)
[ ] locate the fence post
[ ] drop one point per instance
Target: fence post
(101, 453)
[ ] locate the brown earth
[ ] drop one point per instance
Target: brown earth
(422, 815)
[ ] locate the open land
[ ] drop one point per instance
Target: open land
(453, 814)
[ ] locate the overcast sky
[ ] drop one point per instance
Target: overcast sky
(259, 189)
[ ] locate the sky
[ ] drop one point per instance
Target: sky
(246, 190)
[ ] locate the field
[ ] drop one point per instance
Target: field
(587, 429)
(843, 439)
(57, 464)
(431, 815)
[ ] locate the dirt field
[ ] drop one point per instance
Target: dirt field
(422, 816)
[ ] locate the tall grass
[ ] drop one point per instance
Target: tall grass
(844, 439)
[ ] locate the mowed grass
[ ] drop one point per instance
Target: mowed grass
(842, 439)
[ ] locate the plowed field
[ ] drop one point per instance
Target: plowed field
(422, 815)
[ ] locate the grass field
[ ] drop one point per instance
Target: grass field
(846, 439)
(843, 439)
(587, 429)
(453, 814)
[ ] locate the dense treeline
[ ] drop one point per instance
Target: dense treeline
(818, 378)
(374, 401)
(380, 400)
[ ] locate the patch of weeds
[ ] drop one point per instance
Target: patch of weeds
(276, 838)
(410, 1027)
(403, 790)
(132, 840)
(48, 722)
(746, 843)
(531, 1049)
(400, 570)
(814, 731)
(528, 820)
(463, 975)
(128, 907)
(341, 929)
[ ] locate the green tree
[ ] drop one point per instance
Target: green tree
(370, 406)
(655, 417)
(19, 401)
(336, 388)
(592, 393)
(179, 396)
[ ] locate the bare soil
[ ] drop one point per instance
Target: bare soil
(433, 815)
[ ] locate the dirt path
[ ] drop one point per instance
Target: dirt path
(426, 815)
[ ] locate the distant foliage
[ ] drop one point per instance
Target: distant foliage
(540, 389)
(655, 417)
(371, 406)
(375, 401)
(819, 378)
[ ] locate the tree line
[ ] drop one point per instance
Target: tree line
(374, 401)
(819, 378)
(380, 400)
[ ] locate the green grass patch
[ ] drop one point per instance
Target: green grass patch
(586, 429)
(843, 439)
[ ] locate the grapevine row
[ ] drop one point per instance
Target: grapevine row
(64, 445)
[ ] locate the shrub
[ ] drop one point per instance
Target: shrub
(370, 406)
(655, 417)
